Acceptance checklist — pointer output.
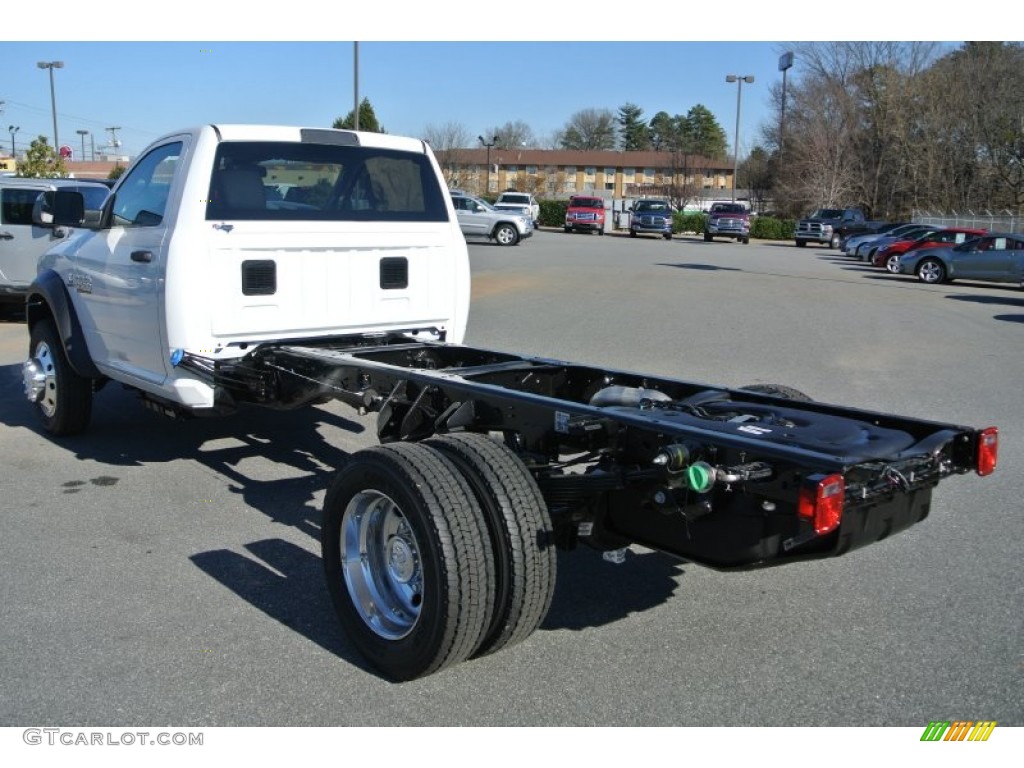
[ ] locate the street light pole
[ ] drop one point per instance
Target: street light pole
(13, 129)
(83, 133)
(52, 65)
(489, 144)
(785, 62)
(739, 80)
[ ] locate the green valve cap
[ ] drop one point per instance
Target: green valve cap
(700, 476)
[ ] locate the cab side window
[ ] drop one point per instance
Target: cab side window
(16, 205)
(142, 197)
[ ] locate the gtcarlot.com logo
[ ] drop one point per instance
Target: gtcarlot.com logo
(958, 730)
(69, 738)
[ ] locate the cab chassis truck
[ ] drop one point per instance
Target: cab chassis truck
(439, 543)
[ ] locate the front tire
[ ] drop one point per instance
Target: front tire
(834, 242)
(63, 399)
(632, 233)
(506, 234)
(931, 271)
(408, 563)
(707, 237)
(801, 243)
(520, 530)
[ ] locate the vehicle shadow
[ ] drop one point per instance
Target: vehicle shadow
(1010, 301)
(701, 267)
(590, 592)
(286, 582)
(283, 580)
(125, 434)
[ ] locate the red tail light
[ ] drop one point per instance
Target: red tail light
(821, 500)
(988, 450)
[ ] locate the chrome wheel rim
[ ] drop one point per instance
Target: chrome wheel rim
(505, 236)
(930, 272)
(893, 264)
(39, 376)
(381, 563)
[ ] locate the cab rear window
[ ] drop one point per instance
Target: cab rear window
(319, 182)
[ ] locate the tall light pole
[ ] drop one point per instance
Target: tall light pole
(739, 80)
(13, 130)
(488, 144)
(355, 85)
(83, 133)
(52, 65)
(785, 62)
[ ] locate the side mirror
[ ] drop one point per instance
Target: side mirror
(68, 208)
(41, 213)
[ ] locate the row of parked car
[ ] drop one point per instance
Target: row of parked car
(941, 254)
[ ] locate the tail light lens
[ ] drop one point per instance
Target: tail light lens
(988, 450)
(821, 501)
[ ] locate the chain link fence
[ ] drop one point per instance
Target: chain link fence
(993, 222)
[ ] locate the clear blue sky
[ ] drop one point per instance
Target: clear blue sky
(149, 88)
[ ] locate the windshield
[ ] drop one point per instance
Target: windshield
(828, 213)
(586, 202)
(652, 205)
(517, 199)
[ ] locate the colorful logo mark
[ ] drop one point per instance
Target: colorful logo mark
(958, 730)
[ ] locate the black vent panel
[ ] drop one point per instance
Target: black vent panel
(259, 277)
(394, 272)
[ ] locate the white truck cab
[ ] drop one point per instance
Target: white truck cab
(222, 237)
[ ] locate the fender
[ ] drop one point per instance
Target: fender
(49, 295)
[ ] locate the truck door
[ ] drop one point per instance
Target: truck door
(119, 273)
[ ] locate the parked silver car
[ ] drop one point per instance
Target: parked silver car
(26, 227)
(997, 257)
(477, 219)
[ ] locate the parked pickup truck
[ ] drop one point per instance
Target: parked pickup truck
(202, 292)
(831, 225)
(521, 202)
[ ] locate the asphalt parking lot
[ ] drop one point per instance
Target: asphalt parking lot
(168, 572)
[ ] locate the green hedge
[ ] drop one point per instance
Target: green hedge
(552, 212)
(768, 228)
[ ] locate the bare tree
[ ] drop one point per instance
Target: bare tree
(514, 134)
(449, 142)
(590, 129)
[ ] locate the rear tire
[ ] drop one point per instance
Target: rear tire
(63, 399)
(931, 271)
(408, 563)
(520, 530)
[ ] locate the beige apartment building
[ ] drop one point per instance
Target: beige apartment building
(559, 173)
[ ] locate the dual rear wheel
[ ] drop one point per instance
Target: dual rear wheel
(436, 552)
